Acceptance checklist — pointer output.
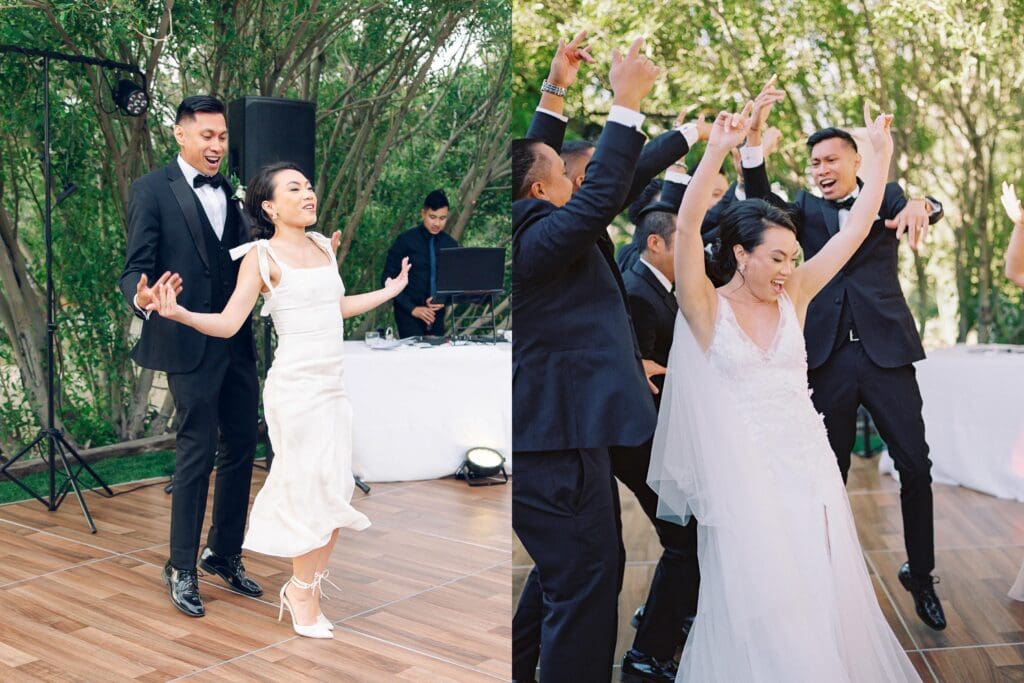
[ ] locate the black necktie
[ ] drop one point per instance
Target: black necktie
(844, 204)
(214, 181)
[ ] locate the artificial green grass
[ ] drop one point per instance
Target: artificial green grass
(119, 470)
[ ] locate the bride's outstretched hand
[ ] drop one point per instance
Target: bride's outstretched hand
(394, 285)
(166, 304)
(1011, 204)
(729, 130)
(878, 132)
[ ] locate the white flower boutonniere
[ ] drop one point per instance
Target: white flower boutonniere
(239, 194)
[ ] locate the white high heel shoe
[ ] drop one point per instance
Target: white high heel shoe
(319, 577)
(316, 630)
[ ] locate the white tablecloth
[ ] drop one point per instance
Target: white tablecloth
(974, 417)
(416, 411)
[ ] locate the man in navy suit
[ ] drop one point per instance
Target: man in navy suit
(181, 221)
(861, 337)
(672, 596)
(575, 364)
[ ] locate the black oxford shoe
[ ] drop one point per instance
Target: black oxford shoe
(926, 602)
(183, 586)
(231, 570)
(640, 668)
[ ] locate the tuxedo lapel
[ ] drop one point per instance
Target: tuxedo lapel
(831, 216)
(186, 199)
(244, 227)
(663, 295)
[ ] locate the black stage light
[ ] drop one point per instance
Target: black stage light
(130, 97)
(482, 466)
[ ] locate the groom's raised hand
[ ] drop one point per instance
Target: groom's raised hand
(632, 76)
(145, 294)
(565, 65)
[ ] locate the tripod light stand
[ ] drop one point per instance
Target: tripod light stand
(56, 445)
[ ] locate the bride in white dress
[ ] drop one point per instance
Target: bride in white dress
(305, 499)
(785, 594)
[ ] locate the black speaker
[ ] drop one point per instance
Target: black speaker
(262, 130)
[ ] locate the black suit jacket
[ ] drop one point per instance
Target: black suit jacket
(868, 283)
(653, 309)
(165, 234)
(577, 379)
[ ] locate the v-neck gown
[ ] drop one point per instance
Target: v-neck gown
(307, 493)
(804, 608)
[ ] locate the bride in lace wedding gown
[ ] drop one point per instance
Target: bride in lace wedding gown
(785, 594)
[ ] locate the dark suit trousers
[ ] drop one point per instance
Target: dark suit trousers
(223, 391)
(674, 587)
(564, 512)
(849, 379)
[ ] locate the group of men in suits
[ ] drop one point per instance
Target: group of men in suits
(588, 335)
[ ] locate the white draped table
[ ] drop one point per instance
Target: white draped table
(974, 417)
(416, 411)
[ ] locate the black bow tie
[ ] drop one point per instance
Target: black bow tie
(844, 204)
(214, 181)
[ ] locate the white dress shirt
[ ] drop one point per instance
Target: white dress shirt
(214, 200)
(658, 274)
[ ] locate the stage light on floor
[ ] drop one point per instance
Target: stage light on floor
(482, 467)
(131, 98)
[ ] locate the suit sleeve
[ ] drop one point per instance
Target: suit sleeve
(656, 156)
(644, 325)
(898, 201)
(392, 265)
(143, 241)
(553, 242)
(548, 129)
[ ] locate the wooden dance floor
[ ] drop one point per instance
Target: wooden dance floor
(979, 549)
(425, 595)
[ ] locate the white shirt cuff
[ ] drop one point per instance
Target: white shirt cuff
(678, 178)
(135, 303)
(563, 119)
(751, 157)
(741, 193)
(689, 131)
(626, 117)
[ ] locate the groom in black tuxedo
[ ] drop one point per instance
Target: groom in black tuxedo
(862, 340)
(574, 365)
(182, 222)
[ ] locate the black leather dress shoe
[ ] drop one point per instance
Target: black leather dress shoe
(638, 616)
(183, 585)
(640, 668)
(926, 602)
(231, 570)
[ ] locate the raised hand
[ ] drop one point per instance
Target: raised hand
(1011, 204)
(565, 65)
(879, 133)
(145, 294)
(703, 127)
(166, 304)
(632, 76)
(770, 139)
(729, 130)
(394, 285)
(763, 104)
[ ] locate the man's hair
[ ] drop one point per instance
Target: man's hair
(829, 133)
(575, 148)
(435, 199)
(526, 165)
(190, 106)
(661, 223)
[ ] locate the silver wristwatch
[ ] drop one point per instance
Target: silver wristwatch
(548, 86)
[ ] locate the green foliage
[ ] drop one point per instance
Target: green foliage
(950, 71)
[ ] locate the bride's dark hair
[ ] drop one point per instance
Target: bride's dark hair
(744, 223)
(261, 189)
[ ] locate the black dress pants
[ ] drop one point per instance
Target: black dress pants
(222, 392)
(564, 512)
(849, 379)
(676, 581)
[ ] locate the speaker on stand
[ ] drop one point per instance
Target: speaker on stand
(261, 131)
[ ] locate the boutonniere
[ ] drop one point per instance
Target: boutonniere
(239, 194)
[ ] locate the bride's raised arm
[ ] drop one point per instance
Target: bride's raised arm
(694, 291)
(1015, 249)
(815, 273)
